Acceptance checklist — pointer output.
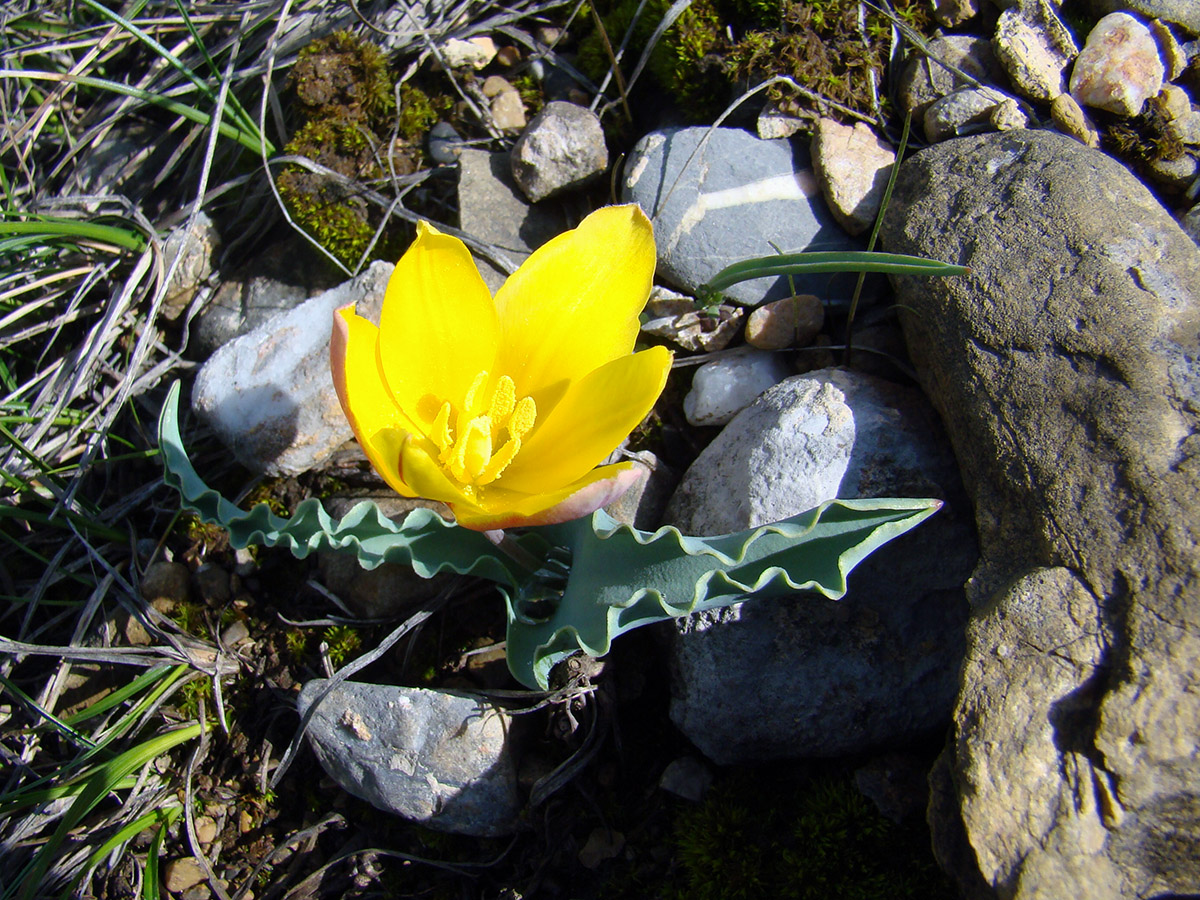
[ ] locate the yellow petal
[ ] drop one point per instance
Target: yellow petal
(438, 329)
(509, 509)
(593, 417)
(573, 305)
(422, 472)
(376, 420)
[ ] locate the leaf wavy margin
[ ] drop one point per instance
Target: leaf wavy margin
(423, 539)
(596, 607)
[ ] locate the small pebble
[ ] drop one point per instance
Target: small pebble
(212, 582)
(235, 633)
(688, 777)
(676, 319)
(1174, 56)
(445, 144)
(206, 829)
(563, 148)
(181, 874)
(508, 112)
(245, 821)
(547, 34)
(962, 112)
(724, 387)
(602, 844)
(508, 56)
(791, 322)
(1071, 120)
(168, 581)
(852, 165)
(494, 85)
(476, 52)
(952, 13)
(1119, 68)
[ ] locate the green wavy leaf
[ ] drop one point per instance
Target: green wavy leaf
(622, 578)
(423, 539)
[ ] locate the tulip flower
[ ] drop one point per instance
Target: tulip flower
(503, 408)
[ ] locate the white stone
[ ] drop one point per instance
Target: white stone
(268, 394)
(1119, 68)
(724, 387)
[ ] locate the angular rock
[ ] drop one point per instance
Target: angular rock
(435, 757)
(924, 80)
(728, 202)
(492, 208)
(852, 166)
(965, 111)
(445, 144)
(475, 52)
(1119, 68)
(774, 123)
(508, 111)
(1174, 56)
(952, 13)
(279, 279)
(791, 322)
(563, 148)
(1069, 388)
(725, 386)
(267, 394)
(804, 676)
(1035, 49)
(674, 317)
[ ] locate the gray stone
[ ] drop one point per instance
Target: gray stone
(279, 279)
(731, 200)
(643, 504)
(852, 166)
(1174, 174)
(1070, 390)
(492, 209)
(1035, 49)
(435, 757)
(674, 317)
(804, 676)
(1119, 68)
(445, 144)
(726, 385)
(1190, 223)
(924, 80)
(965, 111)
(268, 394)
(562, 149)
(1181, 12)
(774, 123)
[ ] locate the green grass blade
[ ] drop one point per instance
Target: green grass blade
(164, 818)
(808, 263)
(83, 231)
(247, 138)
(121, 694)
(104, 779)
(150, 881)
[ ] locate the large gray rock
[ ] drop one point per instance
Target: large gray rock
(268, 394)
(806, 676)
(435, 757)
(1064, 367)
(734, 198)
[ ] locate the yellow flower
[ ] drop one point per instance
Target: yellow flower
(503, 408)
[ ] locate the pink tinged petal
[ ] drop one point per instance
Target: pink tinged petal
(505, 509)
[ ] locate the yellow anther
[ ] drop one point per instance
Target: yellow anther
(499, 462)
(439, 432)
(472, 451)
(522, 419)
(504, 398)
(473, 404)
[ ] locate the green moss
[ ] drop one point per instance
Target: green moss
(812, 841)
(344, 642)
(418, 113)
(343, 76)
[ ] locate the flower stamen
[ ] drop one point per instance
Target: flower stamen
(476, 448)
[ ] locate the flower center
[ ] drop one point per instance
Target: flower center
(481, 438)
